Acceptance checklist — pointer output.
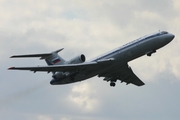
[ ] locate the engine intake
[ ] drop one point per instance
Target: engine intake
(78, 59)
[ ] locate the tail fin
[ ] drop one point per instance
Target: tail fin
(50, 58)
(54, 58)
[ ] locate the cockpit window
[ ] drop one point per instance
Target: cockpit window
(164, 32)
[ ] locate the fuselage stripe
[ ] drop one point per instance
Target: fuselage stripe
(139, 40)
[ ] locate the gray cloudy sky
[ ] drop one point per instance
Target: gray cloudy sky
(90, 27)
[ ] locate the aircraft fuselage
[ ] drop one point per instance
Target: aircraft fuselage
(146, 45)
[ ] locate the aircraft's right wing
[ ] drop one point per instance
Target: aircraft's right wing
(55, 68)
(66, 67)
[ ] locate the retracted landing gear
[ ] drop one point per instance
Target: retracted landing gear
(112, 84)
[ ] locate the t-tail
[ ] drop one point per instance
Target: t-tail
(51, 58)
(54, 58)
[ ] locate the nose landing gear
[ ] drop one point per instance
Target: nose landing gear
(150, 52)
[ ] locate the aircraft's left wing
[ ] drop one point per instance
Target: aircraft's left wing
(130, 77)
(123, 73)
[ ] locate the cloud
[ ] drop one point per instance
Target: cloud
(92, 28)
(64, 118)
(176, 4)
(43, 117)
(83, 96)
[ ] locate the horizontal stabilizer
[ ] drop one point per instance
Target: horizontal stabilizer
(58, 50)
(43, 55)
(32, 55)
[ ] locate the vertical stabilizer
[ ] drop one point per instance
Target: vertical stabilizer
(54, 59)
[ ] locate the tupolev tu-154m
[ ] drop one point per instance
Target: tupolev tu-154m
(112, 65)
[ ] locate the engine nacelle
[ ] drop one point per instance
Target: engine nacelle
(79, 59)
(58, 75)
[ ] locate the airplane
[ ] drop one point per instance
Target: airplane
(112, 65)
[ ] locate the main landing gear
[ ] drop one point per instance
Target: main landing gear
(112, 84)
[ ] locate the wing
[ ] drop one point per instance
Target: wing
(67, 67)
(55, 68)
(123, 73)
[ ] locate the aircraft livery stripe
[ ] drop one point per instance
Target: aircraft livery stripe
(130, 44)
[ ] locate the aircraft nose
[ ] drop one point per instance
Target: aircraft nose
(167, 39)
(171, 36)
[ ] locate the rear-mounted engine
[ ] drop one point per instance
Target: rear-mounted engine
(79, 59)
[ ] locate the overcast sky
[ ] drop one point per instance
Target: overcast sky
(89, 27)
